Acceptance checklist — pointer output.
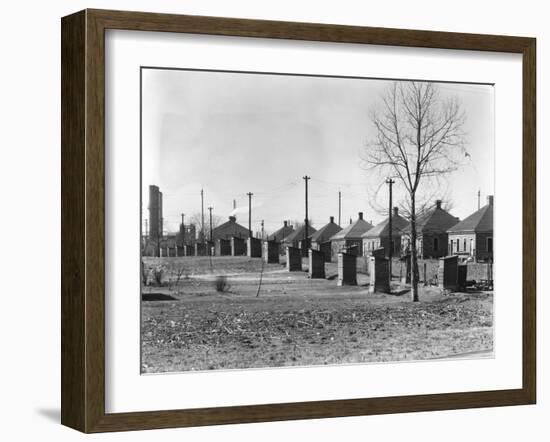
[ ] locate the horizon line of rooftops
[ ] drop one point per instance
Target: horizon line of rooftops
(437, 231)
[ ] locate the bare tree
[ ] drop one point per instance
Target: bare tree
(297, 224)
(418, 139)
(196, 219)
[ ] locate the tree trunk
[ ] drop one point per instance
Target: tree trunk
(414, 257)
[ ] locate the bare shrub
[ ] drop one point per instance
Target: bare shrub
(158, 274)
(144, 274)
(221, 284)
(180, 271)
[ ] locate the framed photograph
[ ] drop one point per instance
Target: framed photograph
(268, 220)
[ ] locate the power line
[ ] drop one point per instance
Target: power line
(334, 183)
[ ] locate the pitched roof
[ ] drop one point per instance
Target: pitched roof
(398, 223)
(229, 229)
(282, 233)
(435, 220)
(479, 221)
(326, 232)
(354, 230)
(299, 234)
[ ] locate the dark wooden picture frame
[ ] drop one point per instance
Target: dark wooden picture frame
(83, 220)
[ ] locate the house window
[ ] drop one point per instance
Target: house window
(436, 244)
(472, 247)
(490, 245)
(458, 245)
(464, 244)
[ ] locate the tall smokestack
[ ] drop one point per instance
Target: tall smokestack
(155, 213)
(161, 219)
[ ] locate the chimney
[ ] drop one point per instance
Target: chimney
(285, 223)
(332, 220)
(395, 211)
(438, 204)
(232, 219)
(360, 215)
(490, 200)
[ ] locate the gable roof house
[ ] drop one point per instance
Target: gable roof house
(349, 239)
(324, 233)
(295, 239)
(229, 229)
(431, 233)
(320, 240)
(378, 236)
(474, 235)
(282, 233)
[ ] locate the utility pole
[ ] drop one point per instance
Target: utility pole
(306, 226)
(210, 210)
(339, 208)
(478, 199)
(202, 215)
(390, 183)
(250, 214)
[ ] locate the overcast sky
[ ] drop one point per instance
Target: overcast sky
(233, 133)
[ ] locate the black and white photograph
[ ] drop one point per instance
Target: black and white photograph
(306, 220)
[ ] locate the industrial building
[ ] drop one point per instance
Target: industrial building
(187, 235)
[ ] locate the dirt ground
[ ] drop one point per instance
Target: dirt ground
(294, 321)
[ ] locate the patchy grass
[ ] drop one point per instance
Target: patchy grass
(297, 321)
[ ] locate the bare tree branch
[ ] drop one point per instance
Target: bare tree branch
(418, 139)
